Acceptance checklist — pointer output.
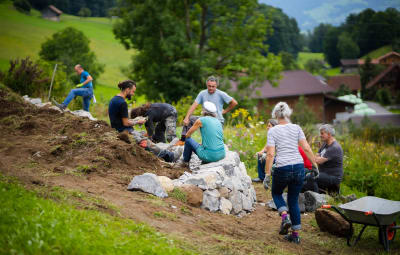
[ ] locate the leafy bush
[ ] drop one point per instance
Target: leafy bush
(183, 105)
(22, 6)
(371, 131)
(25, 77)
(383, 96)
(71, 47)
(84, 12)
(343, 90)
(302, 113)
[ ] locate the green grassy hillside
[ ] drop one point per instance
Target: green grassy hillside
(378, 52)
(305, 56)
(21, 35)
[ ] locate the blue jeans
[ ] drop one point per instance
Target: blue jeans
(86, 93)
(261, 168)
(190, 146)
(291, 176)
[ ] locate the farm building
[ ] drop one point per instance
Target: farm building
(51, 13)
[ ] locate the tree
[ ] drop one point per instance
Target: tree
(22, 6)
(285, 34)
(179, 43)
(70, 47)
(347, 48)
(84, 12)
(302, 113)
(314, 66)
(317, 37)
(330, 46)
(368, 71)
(288, 61)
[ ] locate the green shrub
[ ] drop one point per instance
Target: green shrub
(25, 77)
(383, 96)
(22, 6)
(302, 113)
(183, 105)
(371, 131)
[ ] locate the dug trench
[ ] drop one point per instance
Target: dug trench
(42, 147)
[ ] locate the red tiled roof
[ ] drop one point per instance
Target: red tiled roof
(293, 83)
(54, 9)
(352, 81)
(382, 74)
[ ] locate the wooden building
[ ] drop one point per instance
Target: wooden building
(353, 82)
(51, 13)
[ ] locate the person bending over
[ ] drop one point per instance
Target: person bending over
(163, 115)
(118, 114)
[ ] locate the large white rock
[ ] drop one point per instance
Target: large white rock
(247, 203)
(211, 200)
(236, 199)
(166, 183)
(225, 206)
(148, 183)
(82, 113)
(204, 180)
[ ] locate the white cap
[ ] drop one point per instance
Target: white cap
(210, 107)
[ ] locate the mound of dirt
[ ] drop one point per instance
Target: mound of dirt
(61, 142)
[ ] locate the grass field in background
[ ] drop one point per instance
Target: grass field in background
(378, 52)
(303, 57)
(22, 35)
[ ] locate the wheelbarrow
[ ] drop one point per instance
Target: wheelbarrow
(371, 211)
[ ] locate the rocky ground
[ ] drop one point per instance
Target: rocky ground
(44, 148)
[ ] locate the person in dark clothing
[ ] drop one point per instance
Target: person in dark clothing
(118, 114)
(330, 162)
(161, 120)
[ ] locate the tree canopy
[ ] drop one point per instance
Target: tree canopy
(180, 43)
(70, 47)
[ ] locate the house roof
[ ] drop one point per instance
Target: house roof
(54, 9)
(388, 55)
(293, 83)
(382, 75)
(349, 62)
(351, 81)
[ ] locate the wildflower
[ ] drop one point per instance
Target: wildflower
(261, 122)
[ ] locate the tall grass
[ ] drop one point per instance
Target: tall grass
(32, 225)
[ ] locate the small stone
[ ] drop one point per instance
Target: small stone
(224, 192)
(225, 206)
(173, 207)
(166, 183)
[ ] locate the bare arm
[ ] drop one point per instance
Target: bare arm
(307, 149)
(195, 126)
(320, 160)
(231, 105)
(190, 111)
(127, 123)
(88, 79)
(270, 159)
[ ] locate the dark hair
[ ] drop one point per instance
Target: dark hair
(126, 84)
(140, 111)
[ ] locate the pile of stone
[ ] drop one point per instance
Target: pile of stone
(225, 185)
(38, 102)
(309, 201)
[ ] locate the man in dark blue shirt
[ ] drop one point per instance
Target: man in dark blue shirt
(118, 113)
(84, 89)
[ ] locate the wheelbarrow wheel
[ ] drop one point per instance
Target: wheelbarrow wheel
(390, 233)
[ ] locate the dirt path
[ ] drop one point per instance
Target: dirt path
(43, 147)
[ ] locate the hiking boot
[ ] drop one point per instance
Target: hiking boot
(181, 164)
(285, 225)
(256, 180)
(292, 238)
(60, 106)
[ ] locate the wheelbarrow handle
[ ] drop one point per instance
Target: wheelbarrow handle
(369, 213)
(326, 206)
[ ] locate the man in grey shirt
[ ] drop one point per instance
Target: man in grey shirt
(211, 94)
(330, 163)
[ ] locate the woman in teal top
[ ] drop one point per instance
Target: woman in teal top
(212, 148)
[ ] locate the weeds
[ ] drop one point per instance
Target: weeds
(178, 194)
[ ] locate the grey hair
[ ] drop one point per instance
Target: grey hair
(282, 111)
(327, 128)
(212, 78)
(79, 66)
(273, 122)
(204, 112)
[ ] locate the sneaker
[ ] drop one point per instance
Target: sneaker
(256, 180)
(61, 106)
(285, 225)
(291, 238)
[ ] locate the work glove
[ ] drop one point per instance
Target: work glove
(315, 171)
(79, 85)
(267, 182)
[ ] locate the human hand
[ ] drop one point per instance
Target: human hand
(186, 121)
(267, 182)
(79, 85)
(315, 171)
(140, 122)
